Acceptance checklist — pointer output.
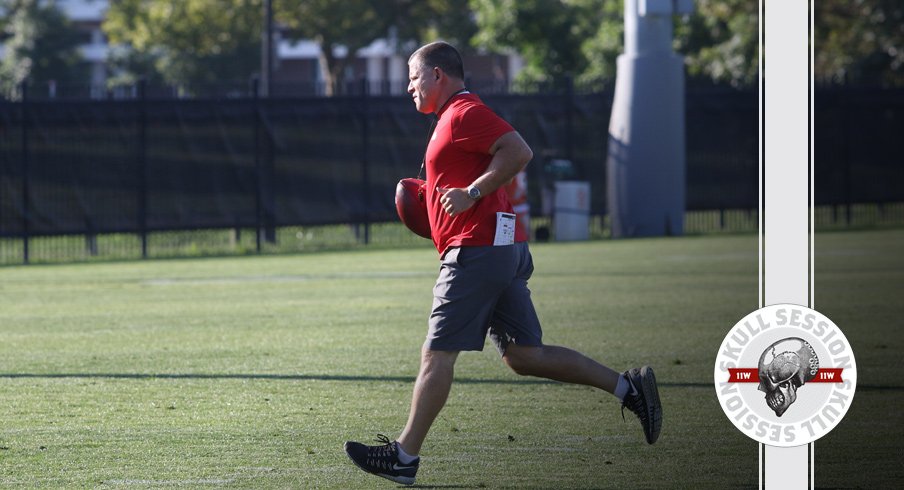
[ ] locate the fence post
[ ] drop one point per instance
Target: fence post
(569, 118)
(258, 198)
(26, 180)
(365, 160)
(846, 154)
(143, 167)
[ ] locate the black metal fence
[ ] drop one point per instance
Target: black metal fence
(154, 164)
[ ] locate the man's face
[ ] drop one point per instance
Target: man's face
(423, 86)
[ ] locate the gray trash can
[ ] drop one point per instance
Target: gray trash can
(571, 214)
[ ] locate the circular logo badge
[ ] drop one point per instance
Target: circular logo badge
(785, 375)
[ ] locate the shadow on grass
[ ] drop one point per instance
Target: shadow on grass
(442, 486)
(277, 377)
(485, 486)
(355, 378)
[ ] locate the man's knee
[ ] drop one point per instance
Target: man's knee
(522, 359)
(437, 359)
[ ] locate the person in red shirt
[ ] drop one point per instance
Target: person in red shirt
(516, 190)
(482, 289)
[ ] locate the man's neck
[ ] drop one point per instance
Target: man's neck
(457, 91)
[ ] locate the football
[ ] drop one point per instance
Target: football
(411, 204)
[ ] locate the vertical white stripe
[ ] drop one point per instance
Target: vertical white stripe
(812, 38)
(786, 151)
(786, 199)
(787, 468)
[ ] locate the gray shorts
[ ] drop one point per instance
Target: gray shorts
(483, 290)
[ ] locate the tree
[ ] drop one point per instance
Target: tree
(355, 24)
(190, 42)
(605, 44)
(352, 24)
(720, 41)
(583, 38)
(860, 41)
(855, 40)
(548, 34)
(422, 21)
(41, 45)
(207, 41)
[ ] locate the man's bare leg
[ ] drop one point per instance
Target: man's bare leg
(560, 364)
(434, 381)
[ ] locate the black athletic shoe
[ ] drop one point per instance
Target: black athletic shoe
(382, 460)
(645, 401)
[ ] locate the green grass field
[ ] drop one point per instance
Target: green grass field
(250, 372)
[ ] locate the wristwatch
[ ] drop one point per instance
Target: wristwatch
(474, 192)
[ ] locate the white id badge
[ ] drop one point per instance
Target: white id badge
(505, 229)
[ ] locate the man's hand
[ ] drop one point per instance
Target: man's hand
(455, 200)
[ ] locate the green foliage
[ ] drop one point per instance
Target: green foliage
(605, 44)
(416, 22)
(719, 41)
(860, 41)
(548, 34)
(41, 45)
(583, 38)
(353, 24)
(194, 42)
(209, 41)
(190, 42)
(855, 40)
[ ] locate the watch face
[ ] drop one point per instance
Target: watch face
(474, 192)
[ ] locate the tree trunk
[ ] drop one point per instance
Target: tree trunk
(333, 68)
(327, 62)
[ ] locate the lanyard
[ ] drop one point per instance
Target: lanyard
(433, 128)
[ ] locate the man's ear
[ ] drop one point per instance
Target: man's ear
(437, 73)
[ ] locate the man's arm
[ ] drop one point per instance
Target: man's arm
(510, 155)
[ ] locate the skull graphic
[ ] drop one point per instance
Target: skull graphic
(784, 367)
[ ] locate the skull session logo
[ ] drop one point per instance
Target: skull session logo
(780, 375)
(785, 375)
